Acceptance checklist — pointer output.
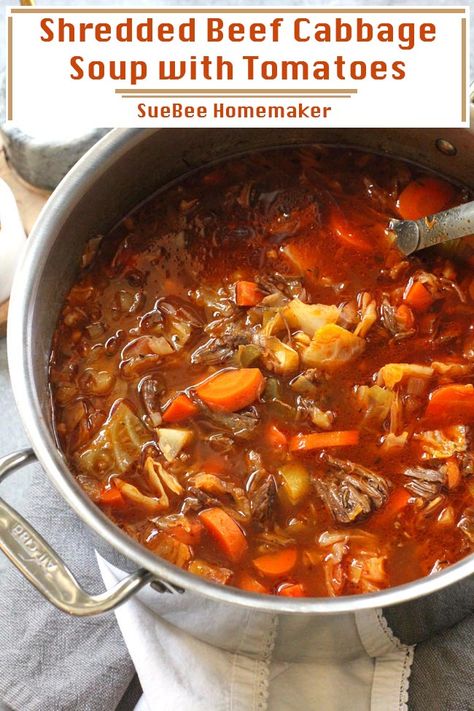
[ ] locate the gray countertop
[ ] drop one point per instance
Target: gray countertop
(12, 435)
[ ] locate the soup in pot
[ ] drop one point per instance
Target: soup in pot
(251, 381)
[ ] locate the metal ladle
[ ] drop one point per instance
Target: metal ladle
(413, 235)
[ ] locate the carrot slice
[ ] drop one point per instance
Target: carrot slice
(246, 582)
(418, 297)
(320, 440)
(451, 405)
(232, 389)
(179, 409)
(226, 532)
(345, 234)
(399, 498)
(453, 473)
(288, 590)
(111, 496)
(276, 564)
(247, 293)
(275, 437)
(424, 196)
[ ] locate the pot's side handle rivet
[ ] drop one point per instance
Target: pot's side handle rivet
(446, 147)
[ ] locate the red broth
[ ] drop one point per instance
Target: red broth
(251, 381)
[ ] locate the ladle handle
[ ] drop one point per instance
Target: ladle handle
(413, 235)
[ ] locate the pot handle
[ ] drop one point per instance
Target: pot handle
(41, 565)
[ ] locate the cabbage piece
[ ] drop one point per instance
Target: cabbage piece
(150, 503)
(169, 548)
(309, 317)
(373, 573)
(368, 312)
(332, 347)
(116, 446)
(466, 523)
(159, 478)
(277, 356)
(178, 332)
(452, 370)
(392, 443)
(210, 572)
(393, 373)
(442, 444)
(146, 345)
(375, 402)
(324, 419)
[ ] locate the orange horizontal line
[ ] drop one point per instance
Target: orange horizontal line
(230, 92)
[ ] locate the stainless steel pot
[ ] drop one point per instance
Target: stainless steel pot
(123, 169)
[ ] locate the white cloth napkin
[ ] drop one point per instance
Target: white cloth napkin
(194, 653)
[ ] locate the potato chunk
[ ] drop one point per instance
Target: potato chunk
(171, 441)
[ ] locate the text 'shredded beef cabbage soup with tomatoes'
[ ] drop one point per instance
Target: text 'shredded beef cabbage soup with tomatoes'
(251, 381)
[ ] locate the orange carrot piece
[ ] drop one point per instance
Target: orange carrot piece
(111, 496)
(397, 501)
(247, 293)
(424, 196)
(232, 389)
(451, 405)
(321, 440)
(275, 437)
(453, 473)
(291, 590)
(276, 564)
(246, 582)
(418, 297)
(226, 532)
(345, 234)
(179, 409)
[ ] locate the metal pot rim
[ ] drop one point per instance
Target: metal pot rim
(69, 191)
